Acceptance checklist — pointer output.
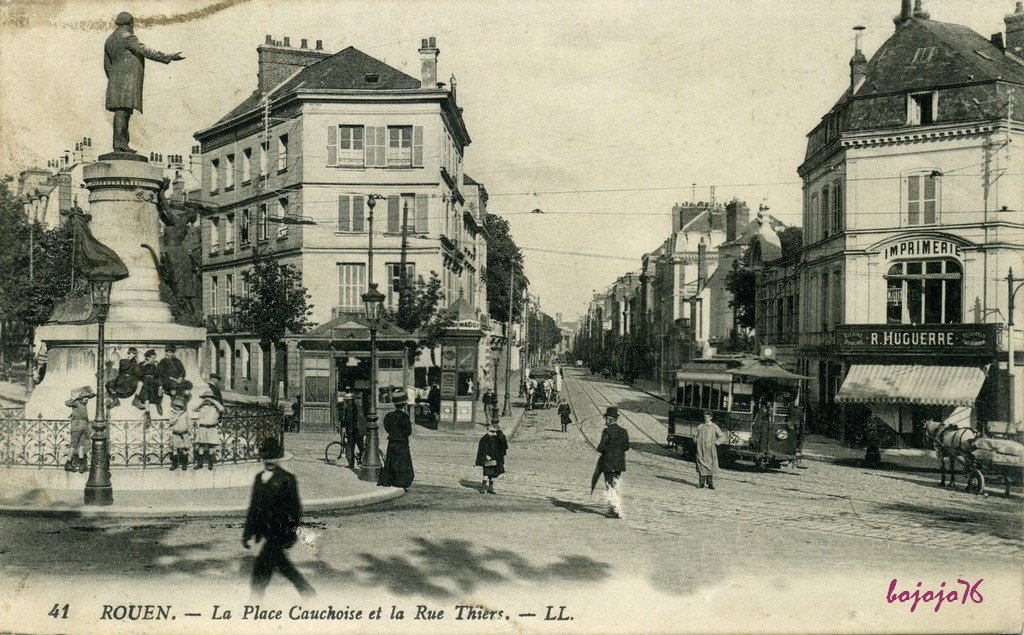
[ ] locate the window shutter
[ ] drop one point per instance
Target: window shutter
(344, 224)
(332, 145)
(358, 213)
(421, 214)
(370, 147)
(394, 215)
(417, 147)
(382, 144)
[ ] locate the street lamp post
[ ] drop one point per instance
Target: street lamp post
(372, 300)
(496, 348)
(1013, 286)
(98, 490)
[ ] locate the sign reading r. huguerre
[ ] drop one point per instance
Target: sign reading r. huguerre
(923, 339)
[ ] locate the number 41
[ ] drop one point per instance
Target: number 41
(59, 612)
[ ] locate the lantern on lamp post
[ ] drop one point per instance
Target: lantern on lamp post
(98, 490)
(370, 466)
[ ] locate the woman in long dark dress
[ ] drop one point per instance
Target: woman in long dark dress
(490, 455)
(397, 470)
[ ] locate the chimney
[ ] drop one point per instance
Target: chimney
(737, 215)
(702, 264)
(287, 42)
(997, 41)
(858, 63)
(278, 61)
(178, 187)
(906, 12)
(303, 45)
(428, 63)
(1015, 31)
(454, 86)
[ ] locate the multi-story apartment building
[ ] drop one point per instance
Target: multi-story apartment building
(912, 218)
(292, 170)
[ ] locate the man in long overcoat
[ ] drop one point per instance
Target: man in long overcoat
(124, 62)
(709, 435)
(613, 447)
(274, 514)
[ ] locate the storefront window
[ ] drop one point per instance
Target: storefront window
(925, 292)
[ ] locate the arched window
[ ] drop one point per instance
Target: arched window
(925, 292)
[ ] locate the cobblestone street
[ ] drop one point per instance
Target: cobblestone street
(543, 539)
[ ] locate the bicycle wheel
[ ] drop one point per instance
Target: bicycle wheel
(334, 451)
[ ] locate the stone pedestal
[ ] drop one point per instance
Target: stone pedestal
(122, 201)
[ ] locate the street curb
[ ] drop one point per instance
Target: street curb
(113, 511)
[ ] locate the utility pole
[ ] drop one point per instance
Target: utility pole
(505, 408)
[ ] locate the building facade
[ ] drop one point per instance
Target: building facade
(912, 219)
(294, 171)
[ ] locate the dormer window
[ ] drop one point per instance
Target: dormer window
(372, 78)
(922, 108)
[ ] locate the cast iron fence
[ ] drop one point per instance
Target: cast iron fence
(45, 442)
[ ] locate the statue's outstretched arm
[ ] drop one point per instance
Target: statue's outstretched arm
(139, 48)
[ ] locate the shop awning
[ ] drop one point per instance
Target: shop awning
(912, 384)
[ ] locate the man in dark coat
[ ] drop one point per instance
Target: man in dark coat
(171, 370)
(124, 62)
(434, 402)
(565, 414)
(397, 470)
(351, 421)
(613, 447)
(127, 380)
(274, 515)
(490, 455)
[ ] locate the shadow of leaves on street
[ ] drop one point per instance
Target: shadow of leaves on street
(983, 519)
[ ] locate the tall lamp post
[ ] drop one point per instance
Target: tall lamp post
(372, 300)
(98, 490)
(496, 347)
(1013, 286)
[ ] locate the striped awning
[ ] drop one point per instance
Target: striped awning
(912, 384)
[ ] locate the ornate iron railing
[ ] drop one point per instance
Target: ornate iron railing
(44, 443)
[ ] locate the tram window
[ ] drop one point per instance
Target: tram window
(716, 397)
(742, 397)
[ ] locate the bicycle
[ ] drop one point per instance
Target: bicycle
(336, 449)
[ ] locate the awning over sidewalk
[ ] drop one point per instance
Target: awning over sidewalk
(912, 384)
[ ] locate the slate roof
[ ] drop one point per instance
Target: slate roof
(961, 56)
(345, 70)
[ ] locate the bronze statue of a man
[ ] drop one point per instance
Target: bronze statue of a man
(124, 62)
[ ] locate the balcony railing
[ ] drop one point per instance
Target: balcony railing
(44, 443)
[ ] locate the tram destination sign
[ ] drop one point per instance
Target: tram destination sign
(931, 339)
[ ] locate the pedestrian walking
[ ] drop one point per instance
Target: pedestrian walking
(490, 455)
(709, 435)
(565, 414)
(80, 437)
(150, 392)
(490, 400)
(354, 428)
(207, 429)
(180, 425)
(434, 403)
(397, 470)
(171, 370)
(531, 391)
(612, 462)
(274, 515)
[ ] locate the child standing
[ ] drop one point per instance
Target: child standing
(79, 428)
(490, 455)
(207, 433)
(180, 425)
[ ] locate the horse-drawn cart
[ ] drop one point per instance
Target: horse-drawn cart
(997, 457)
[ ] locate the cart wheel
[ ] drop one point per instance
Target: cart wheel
(975, 483)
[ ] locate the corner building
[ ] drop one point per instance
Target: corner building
(912, 216)
(290, 170)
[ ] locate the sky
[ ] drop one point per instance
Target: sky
(601, 114)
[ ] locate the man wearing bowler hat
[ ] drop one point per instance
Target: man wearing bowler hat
(613, 447)
(274, 514)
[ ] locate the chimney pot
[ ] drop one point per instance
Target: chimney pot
(270, 39)
(303, 44)
(319, 45)
(997, 41)
(433, 42)
(423, 44)
(287, 41)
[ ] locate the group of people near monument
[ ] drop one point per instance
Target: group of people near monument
(192, 425)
